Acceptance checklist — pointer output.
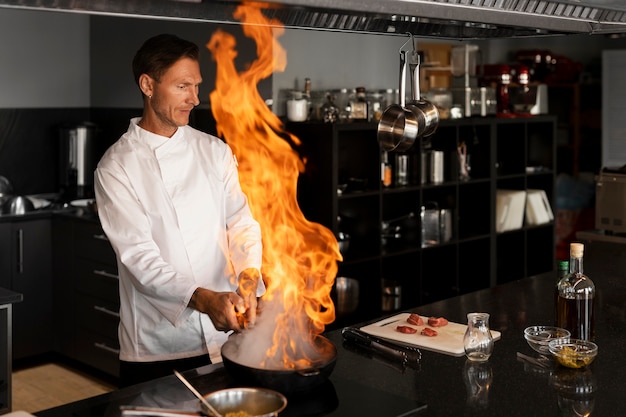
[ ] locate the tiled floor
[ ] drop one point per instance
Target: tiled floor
(49, 385)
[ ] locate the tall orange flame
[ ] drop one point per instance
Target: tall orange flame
(299, 257)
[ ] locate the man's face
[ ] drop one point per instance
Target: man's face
(176, 94)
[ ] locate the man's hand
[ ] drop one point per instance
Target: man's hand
(248, 282)
(220, 306)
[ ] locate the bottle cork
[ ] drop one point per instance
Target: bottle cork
(576, 250)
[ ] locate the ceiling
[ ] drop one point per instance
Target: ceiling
(451, 19)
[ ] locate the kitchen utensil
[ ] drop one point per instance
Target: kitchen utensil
(204, 401)
(133, 410)
(541, 362)
(402, 169)
(436, 165)
(573, 353)
(297, 108)
(449, 339)
(256, 402)
(286, 381)
(394, 351)
(538, 337)
(399, 127)
(78, 158)
(430, 217)
(17, 205)
(347, 290)
(424, 110)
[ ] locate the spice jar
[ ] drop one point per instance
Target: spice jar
(478, 342)
(359, 107)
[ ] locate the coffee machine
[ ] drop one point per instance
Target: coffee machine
(77, 160)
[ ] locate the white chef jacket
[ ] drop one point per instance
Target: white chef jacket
(177, 219)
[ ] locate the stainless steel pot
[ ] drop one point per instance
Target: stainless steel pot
(423, 109)
(400, 124)
(256, 402)
(399, 127)
(17, 205)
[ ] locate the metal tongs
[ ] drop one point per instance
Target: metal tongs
(405, 355)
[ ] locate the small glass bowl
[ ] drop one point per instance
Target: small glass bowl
(538, 337)
(573, 353)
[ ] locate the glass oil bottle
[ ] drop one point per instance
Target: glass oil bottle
(576, 296)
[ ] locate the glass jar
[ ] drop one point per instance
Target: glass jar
(329, 112)
(478, 342)
(359, 107)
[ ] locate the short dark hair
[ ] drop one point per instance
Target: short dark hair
(159, 53)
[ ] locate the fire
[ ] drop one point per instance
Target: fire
(300, 257)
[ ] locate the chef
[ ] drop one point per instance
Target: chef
(169, 200)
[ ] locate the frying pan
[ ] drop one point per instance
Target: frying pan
(286, 381)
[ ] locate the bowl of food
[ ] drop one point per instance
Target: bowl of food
(538, 337)
(246, 402)
(573, 353)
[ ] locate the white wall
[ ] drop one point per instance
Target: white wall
(43, 59)
(56, 59)
(339, 60)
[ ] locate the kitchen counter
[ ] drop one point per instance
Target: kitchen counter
(362, 385)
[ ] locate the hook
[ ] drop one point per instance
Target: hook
(407, 41)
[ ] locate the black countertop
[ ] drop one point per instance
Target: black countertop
(362, 385)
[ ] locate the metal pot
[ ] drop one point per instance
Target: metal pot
(424, 110)
(286, 381)
(400, 124)
(17, 205)
(399, 127)
(256, 402)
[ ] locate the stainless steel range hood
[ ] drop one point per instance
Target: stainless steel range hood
(452, 19)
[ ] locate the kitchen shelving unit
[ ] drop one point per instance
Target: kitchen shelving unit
(341, 189)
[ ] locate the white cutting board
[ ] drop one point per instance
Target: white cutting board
(449, 339)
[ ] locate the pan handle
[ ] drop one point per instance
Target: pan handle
(403, 68)
(133, 410)
(413, 59)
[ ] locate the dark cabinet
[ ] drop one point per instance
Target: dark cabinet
(25, 267)
(390, 228)
(89, 293)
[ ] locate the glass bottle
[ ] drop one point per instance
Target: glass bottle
(478, 342)
(359, 106)
(576, 295)
(562, 269)
(330, 112)
(308, 96)
(385, 170)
